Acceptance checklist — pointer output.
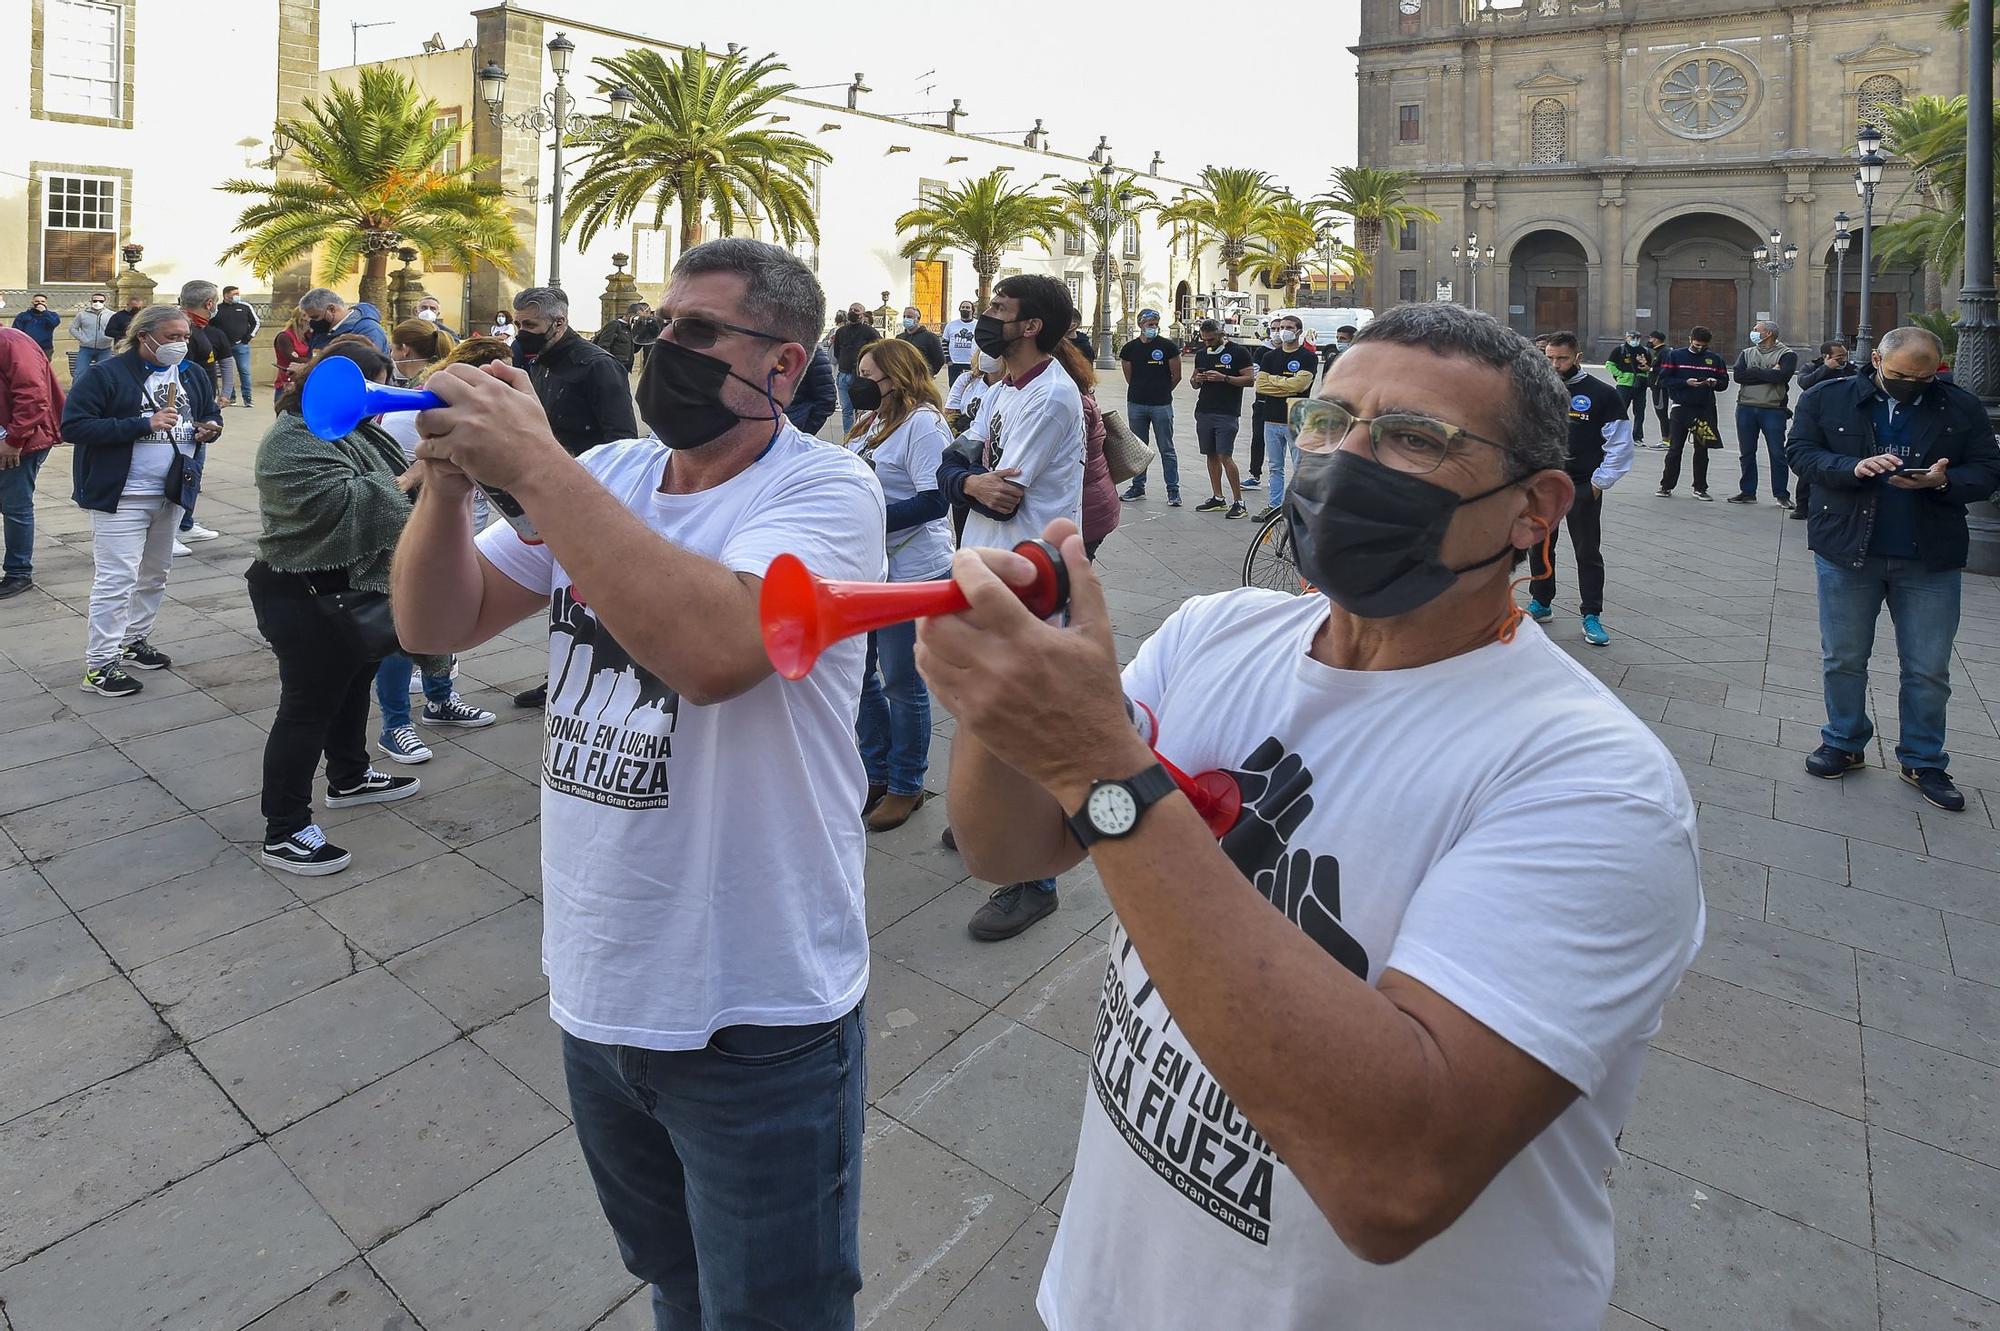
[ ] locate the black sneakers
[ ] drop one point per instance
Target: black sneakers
(535, 697)
(1704, 496)
(14, 584)
(111, 681)
(1264, 514)
(1935, 786)
(374, 788)
(305, 852)
(142, 655)
(1010, 910)
(1236, 510)
(1213, 504)
(1830, 762)
(1742, 499)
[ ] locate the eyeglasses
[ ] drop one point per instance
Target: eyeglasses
(1405, 442)
(699, 334)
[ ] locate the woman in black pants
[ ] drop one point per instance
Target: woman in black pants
(332, 512)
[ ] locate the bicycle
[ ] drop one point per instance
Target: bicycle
(1270, 562)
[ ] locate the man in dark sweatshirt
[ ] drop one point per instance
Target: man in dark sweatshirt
(1690, 377)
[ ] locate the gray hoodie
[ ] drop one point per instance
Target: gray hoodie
(88, 328)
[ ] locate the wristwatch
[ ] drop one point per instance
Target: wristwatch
(1113, 808)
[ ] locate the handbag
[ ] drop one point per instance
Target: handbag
(1124, 452)
(360, 620)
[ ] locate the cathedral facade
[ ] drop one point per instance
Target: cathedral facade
(1622, 160)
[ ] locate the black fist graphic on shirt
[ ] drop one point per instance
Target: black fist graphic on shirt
(1276, 786)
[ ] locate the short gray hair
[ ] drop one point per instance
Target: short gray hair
(1536, 430)
(1899, 339)
(319, 300)
(146, 321)
(194, 295)
(550, 302)
(780, 295)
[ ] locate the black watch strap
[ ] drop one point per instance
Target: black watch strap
(1147, 788)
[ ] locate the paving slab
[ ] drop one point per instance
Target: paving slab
(235, 977)
(1932, 1008)
(158, 921)
(472, 974)
(1913, 1301)
(26, 899)
(48, 959)
(1857, 918)
(910, 1018)
(1780, 962)
(75, 1040)
(400, 910)
(1937, 1212)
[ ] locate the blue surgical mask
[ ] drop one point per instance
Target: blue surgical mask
(1149, 331)
(908, 322)
(1756, 337)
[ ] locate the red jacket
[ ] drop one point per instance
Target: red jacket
(31, 401)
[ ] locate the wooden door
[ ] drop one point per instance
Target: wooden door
(1556, 309)
(927, 291)
(1708, 301)
(1881, 313)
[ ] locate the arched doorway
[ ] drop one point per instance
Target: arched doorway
(1183, 302)
(1697, 269)
(1895, 291)
(1548, 285)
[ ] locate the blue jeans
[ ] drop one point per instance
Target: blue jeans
(1923, 605)
(87, 357)
(840, 381)
(1770, 422)
(242, 355)
(194, 491)
(731, 1175)
(1277, 446)
(1154, 423)
(894, 725)
(17, 513)
(392, 690)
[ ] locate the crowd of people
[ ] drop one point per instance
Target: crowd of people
(1480, 996)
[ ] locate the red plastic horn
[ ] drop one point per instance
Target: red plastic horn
(802, 615)
(1215, 796)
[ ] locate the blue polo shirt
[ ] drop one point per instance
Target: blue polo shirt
(1895, 532)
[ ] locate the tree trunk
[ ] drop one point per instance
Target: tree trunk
(375, 279)
(985, 284)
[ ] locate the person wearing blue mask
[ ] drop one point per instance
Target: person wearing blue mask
(1151, 363)
(922, 338)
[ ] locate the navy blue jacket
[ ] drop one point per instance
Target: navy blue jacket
(953, 472)
(1834, 427)
(1680, 366)
(814, 401)
(40, 326)
(103, 418)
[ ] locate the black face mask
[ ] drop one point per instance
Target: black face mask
(1369, 535)
(989, 334)
(1904, 391)
(864, 393)
(1571, 373)
(321, 325)
(680, 397)
(530, 344)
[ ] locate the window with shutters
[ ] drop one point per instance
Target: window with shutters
(1072, 240)
(1075, 284)
(1406, 284)
(1131, 238)
(1410, 124)
(82, 71)
(445, 120)
(79, 228)
(1406, 239)
(1874, 98)
(1548, 131)
(1131, 293)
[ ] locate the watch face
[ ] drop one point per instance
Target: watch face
(1112, 810)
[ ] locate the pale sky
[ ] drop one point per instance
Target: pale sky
(1201, 83)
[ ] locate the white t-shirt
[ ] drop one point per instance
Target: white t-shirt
(153, 454)
(1497, 826)
(1037, 426)
(967, 393)
(702, 866)
(906, 463)
(958, 340)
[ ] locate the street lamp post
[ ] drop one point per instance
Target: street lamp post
(1867, 176)
(1110, 216)
(1327, 240)
(1470, 257)
(556, 112)
(1842, 238)
(1775, 258)
(1976, 367)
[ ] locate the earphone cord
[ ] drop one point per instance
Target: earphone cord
(1546, 547)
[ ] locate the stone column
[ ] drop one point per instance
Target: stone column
(1800, 90)
(1614, 302)
(1485, 112)
(1434, 110)
(1614, 95)
(1794, 311)
(132, 283)
(1454, 110)
(514, 40)
(619, 291)
(298, 79)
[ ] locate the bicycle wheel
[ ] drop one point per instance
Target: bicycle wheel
(1270, 562)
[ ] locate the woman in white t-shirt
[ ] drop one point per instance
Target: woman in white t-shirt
(903, 437)
(503, 327)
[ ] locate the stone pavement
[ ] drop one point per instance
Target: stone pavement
(230, 1099)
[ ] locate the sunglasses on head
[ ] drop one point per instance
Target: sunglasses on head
(697, 333)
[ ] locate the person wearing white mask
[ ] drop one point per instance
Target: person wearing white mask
(93, 339)
(136, 429)
(1763, 374)
(431, 312)
(1151, 364)
(922, 338)
(1284, 372)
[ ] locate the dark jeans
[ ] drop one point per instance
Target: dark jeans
(1923, 605)
(1769, 422)
(1584, 523)
(322, 702)
(1680, 422)
(731, 1175)
(1659, 396)
(1634, 398)
(17, 513)
(193, 492)
(392, 690)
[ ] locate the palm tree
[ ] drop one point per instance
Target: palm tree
(1958, 16)
(372, 182)
(1229, 207)
(1377, 201)
(1088, 202)
(1278, 252)
(696, 140)
(1929, 133)
(983, 217)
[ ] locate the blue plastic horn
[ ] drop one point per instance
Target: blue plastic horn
(337, 397)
